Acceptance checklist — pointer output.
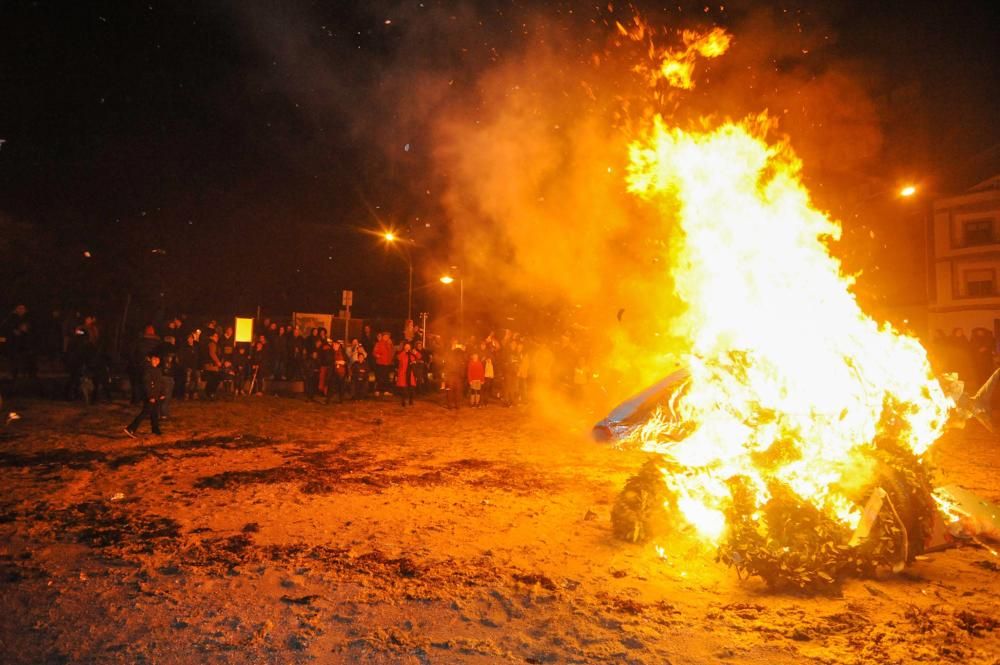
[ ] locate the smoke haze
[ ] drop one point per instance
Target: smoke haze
(509, 127)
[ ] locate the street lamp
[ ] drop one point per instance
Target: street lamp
(908, 191)
(391, 238)
(448, 279)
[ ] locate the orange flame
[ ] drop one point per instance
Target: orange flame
(790, 380)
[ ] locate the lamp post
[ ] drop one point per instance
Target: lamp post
(448, 279)
(391, 239)
(906, 192)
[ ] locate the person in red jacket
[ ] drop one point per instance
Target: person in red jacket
(383, 363)
(406, 381)
(476, 375)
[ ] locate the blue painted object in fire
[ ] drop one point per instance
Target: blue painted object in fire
(637, 409)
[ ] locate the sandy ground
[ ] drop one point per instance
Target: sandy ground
(274, 531)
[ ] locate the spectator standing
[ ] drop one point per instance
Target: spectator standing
(338, 372)
(405, 379)
(359, 373)
(383, 363)
(170, 370)
(420, 367)
(187, 368)
(212, 364)
(325, 364)
(486, 350)
(427, 358)
(310, 369)
(510, 373)
(522, 373)
(368, 339)
(271, 348)
(255, 371)
(20, 343)
(281, 354)
(75, 361)
(476, 375)
(454, 371)
(293, 352)
(227, 346)
(241, 363)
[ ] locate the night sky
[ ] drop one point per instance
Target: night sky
(213, 156)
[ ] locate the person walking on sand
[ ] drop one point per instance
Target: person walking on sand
(152, 389)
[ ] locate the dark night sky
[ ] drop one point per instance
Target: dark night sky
(250, 140)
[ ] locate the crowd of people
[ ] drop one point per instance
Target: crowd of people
(178, 360)
(181, 361)
(372, 364)
(972, 357)
(208, 364)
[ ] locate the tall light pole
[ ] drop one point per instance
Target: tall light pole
(448, 279)
(391, 238)
(906, 192)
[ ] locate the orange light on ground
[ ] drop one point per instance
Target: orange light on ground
(908, 191)
(447, 279)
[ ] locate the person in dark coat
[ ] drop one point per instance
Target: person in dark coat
(337, 377)
(170, 370)
(152, 391)
(310, 369)
(454, 373)
(255, 369)
(359, 373)
(420, 367)
(144, 346)
(20, 343)
(188, 373)
(211, 364)
(227, 345)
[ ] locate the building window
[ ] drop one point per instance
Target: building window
(980, 283)
(978, 232)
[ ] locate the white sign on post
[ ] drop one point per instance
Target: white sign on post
(347, 299)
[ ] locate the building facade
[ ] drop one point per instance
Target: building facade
(965, 237)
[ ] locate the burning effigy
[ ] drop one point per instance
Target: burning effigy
(794, 437)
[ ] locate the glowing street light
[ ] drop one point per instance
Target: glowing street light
(908, 191)
(390, 237)
(448, 279)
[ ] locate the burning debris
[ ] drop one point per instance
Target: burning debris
(794, 441)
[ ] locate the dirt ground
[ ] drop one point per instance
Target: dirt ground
(274, 531)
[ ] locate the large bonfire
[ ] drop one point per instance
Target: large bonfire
(800, 411)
